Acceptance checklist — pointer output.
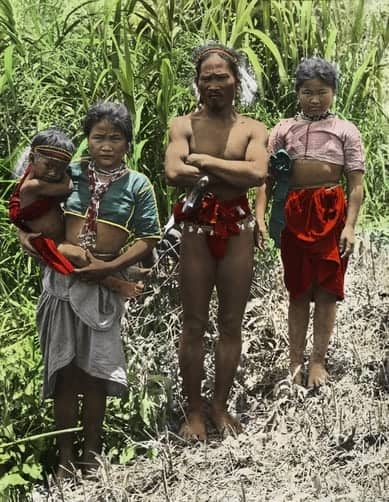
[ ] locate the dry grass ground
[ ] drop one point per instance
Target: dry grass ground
(298, 445)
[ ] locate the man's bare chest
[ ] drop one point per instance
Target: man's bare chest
(222, 142)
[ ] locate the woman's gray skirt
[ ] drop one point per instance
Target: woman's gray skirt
(79, 323)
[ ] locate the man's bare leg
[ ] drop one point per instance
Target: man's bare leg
(323, 326)
(66, 416)
(298, 319)
(233, 280)
(197, 272)
(93, 411)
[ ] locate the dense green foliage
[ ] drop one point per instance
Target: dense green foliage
(57, 58)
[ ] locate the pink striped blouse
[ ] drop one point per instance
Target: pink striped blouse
(330, 140)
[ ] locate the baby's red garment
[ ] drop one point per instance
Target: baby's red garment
(45, 247)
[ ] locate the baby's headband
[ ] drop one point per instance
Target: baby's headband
(53, 152)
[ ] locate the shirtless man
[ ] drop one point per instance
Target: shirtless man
(218, 238)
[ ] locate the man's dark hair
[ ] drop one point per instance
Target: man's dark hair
(115, 113)
(202, 53)
(53, 137)
(316, 67)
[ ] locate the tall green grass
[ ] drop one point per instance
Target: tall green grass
(56, 59)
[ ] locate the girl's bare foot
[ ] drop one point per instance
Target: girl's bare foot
(223, 421)
(317, 375)
(193, 427)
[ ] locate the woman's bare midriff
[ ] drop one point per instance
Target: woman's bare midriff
(311, 172)
(110, 239)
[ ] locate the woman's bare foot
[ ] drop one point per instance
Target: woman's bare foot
(193, 427)
(317, 375)
(89, 462)
(223, 421)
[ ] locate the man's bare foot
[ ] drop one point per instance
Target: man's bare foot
(223, 421)
(317, 375)
(296, 374)
(124, 288)
(193, 428)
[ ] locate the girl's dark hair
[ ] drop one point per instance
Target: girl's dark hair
(115, 113)
(202, 53)
(53, 137)
(316, 67)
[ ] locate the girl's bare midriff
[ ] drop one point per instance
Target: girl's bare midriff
(312, 173)
(110, 239)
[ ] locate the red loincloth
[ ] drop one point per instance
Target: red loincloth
(45, 247)
(221, 216)
(315, 218)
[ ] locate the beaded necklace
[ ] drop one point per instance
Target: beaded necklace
(112, 172)
(88, 234)
(314, 118)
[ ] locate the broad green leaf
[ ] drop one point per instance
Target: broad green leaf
(11, 480)
(270, 45)
(146, 406)
(127, 454)
(329, 52)
(357, 28)
(32, 470)
(358, 75)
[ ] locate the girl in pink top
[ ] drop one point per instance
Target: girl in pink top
(318, 236)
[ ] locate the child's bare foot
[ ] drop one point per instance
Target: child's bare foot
(124, 288)
(193, 427)
(135, 273)
(75, 254)
(317, 375)
(223, 421)
(296, 374)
